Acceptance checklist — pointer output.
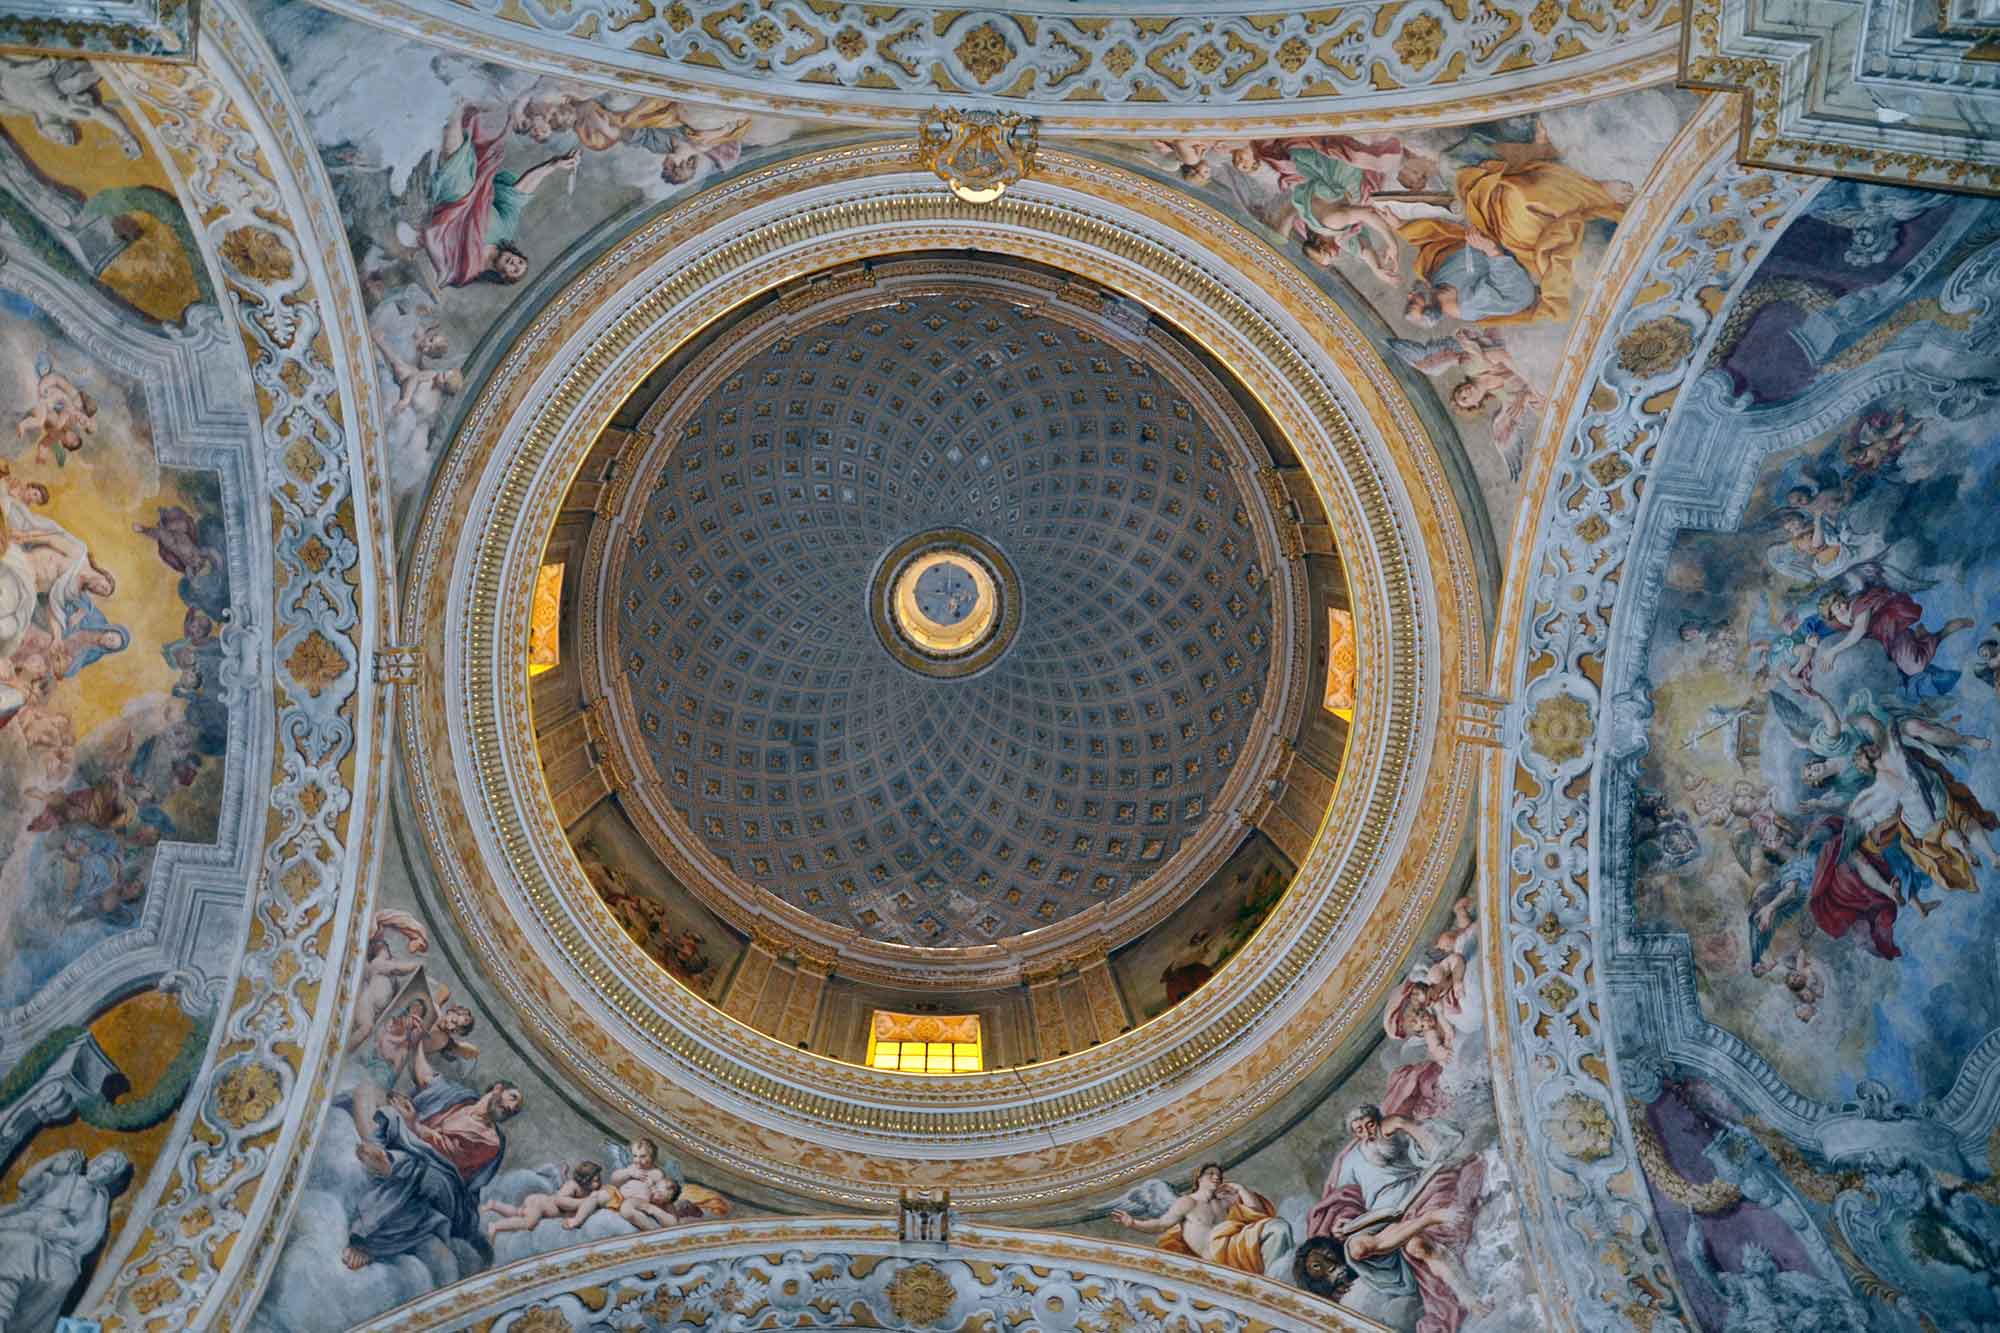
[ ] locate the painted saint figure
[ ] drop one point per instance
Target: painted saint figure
(1222, 1222)
(1512, 258)
(51, 1229)
(1402, 1210)
(431, 1155)
(476, 206)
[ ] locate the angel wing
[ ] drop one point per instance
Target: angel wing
(1147, 1200)
(388, 920)
(617, 1156)
(1800, 722)
(1433, 356)
(45, 364)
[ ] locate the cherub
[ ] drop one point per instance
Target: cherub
(1457, 937)
(1879, 440)
(1191, 155)
(646, 1205)
(419, 391)
(1492, 384)
(1807, 984)
(63, 414)
(638, 1165)
(175, 532)
(1986, 659)
(584, 1182)
(660, 1206)
(382, 972)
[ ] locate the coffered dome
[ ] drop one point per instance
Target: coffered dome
(1075, 507)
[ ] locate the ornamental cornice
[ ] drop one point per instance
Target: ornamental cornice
(1877, 95)
(624, 1031)
(1169, 67)
(778, 1273)
(160, 31)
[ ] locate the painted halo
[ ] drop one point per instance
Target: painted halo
(1308, 984)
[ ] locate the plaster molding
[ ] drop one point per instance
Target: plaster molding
(1837, 89)
(1170, 68)
(770, 1273)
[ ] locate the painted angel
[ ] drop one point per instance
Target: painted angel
(1217, 1220)
(63, 415)
(1492, 385)
(650, 1191)
(383, 973)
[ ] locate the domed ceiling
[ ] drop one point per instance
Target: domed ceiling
(873, 792)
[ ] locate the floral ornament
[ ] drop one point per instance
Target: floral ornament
(1420, 41)
(257, 254)
(247, 1094)
(1560, 728)
(985, 53)
(1656, 347)
(920, 1294)
(1581, 1127)
(316, 663)
(542, 1319)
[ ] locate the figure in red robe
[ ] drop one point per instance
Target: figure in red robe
(1891, 619)
(1853, 882)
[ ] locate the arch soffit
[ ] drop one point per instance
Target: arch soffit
(1702, 222)
(769, 1268)
(245, 169)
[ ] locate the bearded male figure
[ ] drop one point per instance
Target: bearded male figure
(1402, 1211)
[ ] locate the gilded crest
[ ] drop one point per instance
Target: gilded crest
(978, 153)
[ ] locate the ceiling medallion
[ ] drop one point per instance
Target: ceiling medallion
(978, 153)
(945, 603)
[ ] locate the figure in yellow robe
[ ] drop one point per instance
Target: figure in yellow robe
(1512, 260)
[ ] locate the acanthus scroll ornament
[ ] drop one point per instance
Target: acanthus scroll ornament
(978, 153)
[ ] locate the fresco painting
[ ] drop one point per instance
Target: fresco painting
(463, 183)
(1472, 244)
(450, 1149)
(1167, 965)
(115, 595)
(114, 590)
(1816, 810)
(687, 940)
(1390, 1195)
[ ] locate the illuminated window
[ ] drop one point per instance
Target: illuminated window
(1340, 665)
(544, 651)
(924, 1043)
